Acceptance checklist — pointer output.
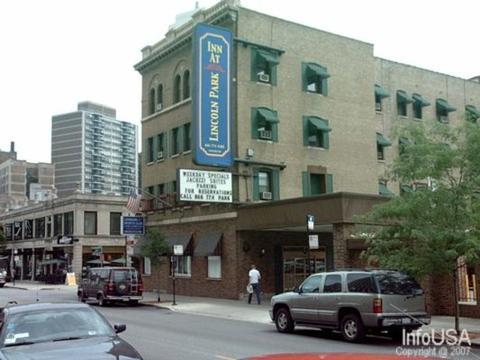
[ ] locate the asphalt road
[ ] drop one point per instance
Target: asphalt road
(162, 334)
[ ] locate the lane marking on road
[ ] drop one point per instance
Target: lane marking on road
(224, 357)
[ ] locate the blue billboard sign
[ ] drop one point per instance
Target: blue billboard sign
(133, 225)
(211, 96)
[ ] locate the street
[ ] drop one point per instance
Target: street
(164, 334)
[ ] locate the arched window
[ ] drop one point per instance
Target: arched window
(159, 97)
(151, 101)
(186, 84)
(176, 89)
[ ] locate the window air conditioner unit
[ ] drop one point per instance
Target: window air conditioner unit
(160, 155)
(264, 77)
(266, 195)
(265, 134)
(444, 119)
(159, 107)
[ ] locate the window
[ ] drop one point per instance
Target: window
(333, 283)
(467, 283)
(151, 102)
(68, 223)
(443, 108)
(90, 223)
(266, 184)
(382, 143)
(312, 284)
(147, 266)
(176, 89)
(161, 146)
(315, 132)
(159, 97)
(40, 228)
(186, 84)
(264, 66)
(264, 124)
(214, 267)
(115, 223)
(187, 137)
(316, 184)
(472, 113)
(149, 150)
(315, 78)
(182, 265)
(150, 190)
(174, 186)
(160, 189)
(380, 94)
(176, 141)
(395, 283)
(57, 224)
(402, 101)
(360, 283)
(419, 102)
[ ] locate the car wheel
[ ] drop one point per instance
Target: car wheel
(102, 301)
(284, 321)
(81, 296)
(352, 328)
(2, 285)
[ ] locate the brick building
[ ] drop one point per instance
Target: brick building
(313, 114)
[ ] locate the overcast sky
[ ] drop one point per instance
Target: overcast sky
(56, 53)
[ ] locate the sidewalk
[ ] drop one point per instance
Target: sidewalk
(38, 285)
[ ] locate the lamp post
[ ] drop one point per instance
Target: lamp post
(310, 227)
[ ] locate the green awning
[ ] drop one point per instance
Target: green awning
(318, 123)
(207, 243)
(183, 240)
(382, 141)
(403, 141)
(317, 70)
(406, 188)
(420, 99)
(402, 96)
(473, 111)
(444, 105)
(268, 115)
(383, 190)
(269, 57)
(381, 92)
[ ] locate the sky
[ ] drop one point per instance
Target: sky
(56, 53)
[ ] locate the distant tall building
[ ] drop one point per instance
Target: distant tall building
(12, 154)
(22, 183)
(93, 152)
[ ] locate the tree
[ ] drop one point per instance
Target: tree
(431, 228)
(155, 248)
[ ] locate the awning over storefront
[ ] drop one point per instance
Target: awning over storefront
(381, 92)
(444, 105)
(180, 239)
(208, 244)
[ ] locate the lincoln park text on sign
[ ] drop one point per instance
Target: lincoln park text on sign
(211, 96)
(205, 186)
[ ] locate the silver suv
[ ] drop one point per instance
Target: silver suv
(353, 302)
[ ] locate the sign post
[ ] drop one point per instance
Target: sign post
(310, 227)
(177, 251)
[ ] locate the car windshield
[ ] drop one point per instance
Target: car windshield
(53, 325)
(394, 283)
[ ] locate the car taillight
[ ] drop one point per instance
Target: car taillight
(110, 287)
(377, 306)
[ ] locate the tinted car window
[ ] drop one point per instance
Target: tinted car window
(395, 283)
(312, 284)
(360, 283)
(124, 275)
(333, 283)
(53, 324)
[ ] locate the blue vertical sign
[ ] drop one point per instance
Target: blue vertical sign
(211, 96)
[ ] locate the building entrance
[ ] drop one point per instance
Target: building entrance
(295, 264)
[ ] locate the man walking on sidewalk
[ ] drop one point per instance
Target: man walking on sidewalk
(254, 280)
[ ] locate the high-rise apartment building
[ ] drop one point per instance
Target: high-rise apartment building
(93, 152)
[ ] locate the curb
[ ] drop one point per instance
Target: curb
(15, 287)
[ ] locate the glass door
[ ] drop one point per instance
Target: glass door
(295, 265)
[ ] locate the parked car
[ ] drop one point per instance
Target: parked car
(60, 331)
(111, 284)
(3, 277)
(354, 302)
